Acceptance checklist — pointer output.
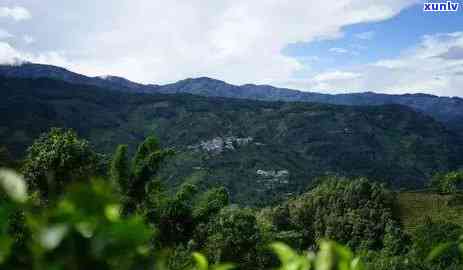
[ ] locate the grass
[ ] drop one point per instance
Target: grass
(414, 207)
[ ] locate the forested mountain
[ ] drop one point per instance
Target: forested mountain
(258, 150)
(448, 110)
(35, 71)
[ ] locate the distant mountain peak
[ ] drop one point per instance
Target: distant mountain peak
(113, 78)
(204, 80)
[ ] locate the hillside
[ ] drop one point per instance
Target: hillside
(445, 109)
(36, 71)
(258, 150)
(415, 207)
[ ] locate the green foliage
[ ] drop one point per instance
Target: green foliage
(395, 241)
(233, 235)
(387, 143)
(210, 203)
(430, 235)
(377, 260)
(354, 212)
(124, 223)
(145, 165)
(331, 256)
(414, 208)
(120, 168)
(203, 264)
(281, 217)
(13, 193)
(182, 217)
(83, 230)
(86, 230)
(447, 182)
(56, 159)
(172, 215)
(134, 179)
(447, 255)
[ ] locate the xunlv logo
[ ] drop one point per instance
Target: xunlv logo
(440, 7)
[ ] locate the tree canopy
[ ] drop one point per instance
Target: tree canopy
(56, 159)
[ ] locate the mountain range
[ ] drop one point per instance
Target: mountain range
(448, 110)
(261, 151)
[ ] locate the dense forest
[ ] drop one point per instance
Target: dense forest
(72, 209)
(448, 110)
(93, 178)
(262, 152)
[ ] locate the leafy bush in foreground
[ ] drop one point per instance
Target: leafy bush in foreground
(81, 230)
(84, 230)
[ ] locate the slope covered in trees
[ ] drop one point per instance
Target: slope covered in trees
(122, 217)
(448, 110)
(258, 150)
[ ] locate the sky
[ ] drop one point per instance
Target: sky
(387, 46)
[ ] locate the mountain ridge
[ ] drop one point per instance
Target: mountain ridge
(259, 150)
(448, 110)
(14, 70)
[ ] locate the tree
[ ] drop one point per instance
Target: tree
(172, 215)
(85, 230)
(119, 169)
(210, 203)
(448, 182)
(233, 235)
(133, 179)
(395, 241)
(353, 212)
(56, 159)
(281, 218)
(430, 235)
(145, 165)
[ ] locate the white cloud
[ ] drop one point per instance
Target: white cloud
(336, 75)
(426, 68)
(5, 34)
(365, 35)
(239, 41)
(28, 39)
(17, 13)
(343, 79)
(12, 56)
(8, 55)
(338, 50)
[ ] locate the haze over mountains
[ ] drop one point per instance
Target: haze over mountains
(448, 110)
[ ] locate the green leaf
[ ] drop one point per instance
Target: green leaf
(13, 185)
(5, 248)
(439, 251)
(201, 261)
(51, 237)
(284, 253)
(357, 264)
(224, 266)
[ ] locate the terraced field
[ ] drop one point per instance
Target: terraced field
(414, 207)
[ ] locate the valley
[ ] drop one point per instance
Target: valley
(227, 142)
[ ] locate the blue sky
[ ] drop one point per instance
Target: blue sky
(388, 46)
(368, 42)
